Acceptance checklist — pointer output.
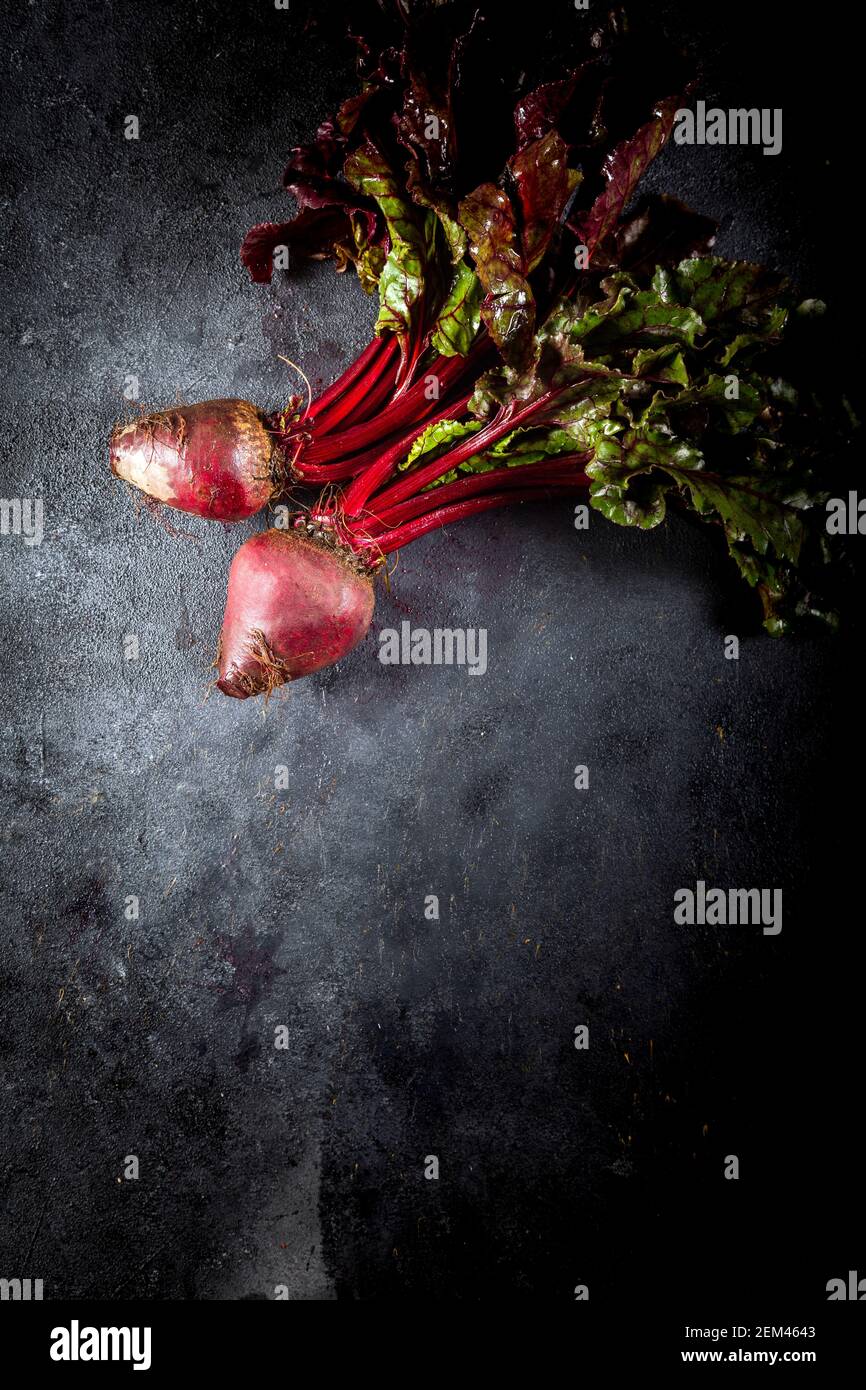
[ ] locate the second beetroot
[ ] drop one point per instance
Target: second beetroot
(294, 605)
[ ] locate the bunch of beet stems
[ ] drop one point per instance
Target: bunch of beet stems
(381, 411)
(378, 513)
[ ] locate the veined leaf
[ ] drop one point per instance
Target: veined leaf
(460, 316)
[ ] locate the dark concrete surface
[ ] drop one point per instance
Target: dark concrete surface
(304, 906)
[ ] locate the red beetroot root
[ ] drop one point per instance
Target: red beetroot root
(294, 605)
(215, 459)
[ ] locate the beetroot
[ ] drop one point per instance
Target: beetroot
(216, 459)
(294, 604)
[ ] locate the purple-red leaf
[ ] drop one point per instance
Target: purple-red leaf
(313, 176)
(541, 111)
(622, 170)
(543, 183)
(314, 235)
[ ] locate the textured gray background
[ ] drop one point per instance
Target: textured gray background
(305, 906)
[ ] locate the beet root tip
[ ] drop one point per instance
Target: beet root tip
(293, 606)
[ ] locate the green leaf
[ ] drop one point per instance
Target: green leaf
(731, 290)
(369, 172)
(664, 363)
(620, 487)
(590, 419)
(775, 322)
(402, 280)
(748, 515)
(401, 285)
(734, 401)
(527, 445)
(460, 316)
(370, 258)
(637, 317)
(437, 438)
(454, 234)
(643, 380)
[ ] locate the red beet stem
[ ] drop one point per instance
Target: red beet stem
(376, 393)
(510, 417)
(353, 465)
(361, 365)
(400, 412)
(357, 397)
(365, 484)
(393, 540)
(412, 346)
(559, 470)
(356, 464)
(329, 472)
